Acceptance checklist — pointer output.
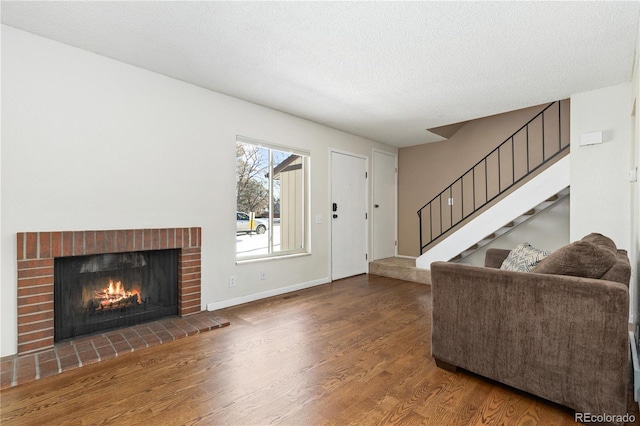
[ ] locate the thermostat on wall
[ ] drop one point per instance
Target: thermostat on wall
(590, 138)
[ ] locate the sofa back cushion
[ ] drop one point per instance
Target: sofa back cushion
(494, 257)
(578, 259)
(602, 241)
(620, 272)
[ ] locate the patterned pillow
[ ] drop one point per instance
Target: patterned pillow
(523, 258)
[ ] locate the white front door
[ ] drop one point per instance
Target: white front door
(384, 205)
(348, 215)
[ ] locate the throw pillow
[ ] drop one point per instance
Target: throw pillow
(579, 259)
(523, 258)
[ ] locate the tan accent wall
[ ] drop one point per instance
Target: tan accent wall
(425, 170)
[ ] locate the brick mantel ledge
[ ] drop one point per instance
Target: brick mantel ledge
(37, 250)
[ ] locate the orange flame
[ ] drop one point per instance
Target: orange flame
(115, 293)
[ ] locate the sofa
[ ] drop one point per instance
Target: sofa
(559, 331)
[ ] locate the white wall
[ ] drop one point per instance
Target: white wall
(600, 194)
(635, 192)
(92, 143)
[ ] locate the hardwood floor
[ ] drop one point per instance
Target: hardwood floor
(356, 351)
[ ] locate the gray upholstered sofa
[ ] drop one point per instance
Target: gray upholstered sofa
(547, 332)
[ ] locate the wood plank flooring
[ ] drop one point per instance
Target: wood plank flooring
(356, 351)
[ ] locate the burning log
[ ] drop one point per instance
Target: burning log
(109, 303)
(113, 297)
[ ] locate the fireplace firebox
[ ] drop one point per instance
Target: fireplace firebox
(104, 291)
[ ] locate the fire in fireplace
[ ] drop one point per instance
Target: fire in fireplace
(115, 296)
(104, 291)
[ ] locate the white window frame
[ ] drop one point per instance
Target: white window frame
(306, 196)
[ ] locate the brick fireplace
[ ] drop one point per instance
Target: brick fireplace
(37, 251)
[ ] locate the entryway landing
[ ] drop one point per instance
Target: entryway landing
(401, 268)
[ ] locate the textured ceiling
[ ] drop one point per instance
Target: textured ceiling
(383, 70)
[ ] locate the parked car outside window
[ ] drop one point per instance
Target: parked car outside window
(243, 224)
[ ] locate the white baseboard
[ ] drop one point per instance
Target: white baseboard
(214, 306)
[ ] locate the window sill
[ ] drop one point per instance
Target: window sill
(270, 258)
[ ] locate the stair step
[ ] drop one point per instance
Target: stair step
(509, 225)
(400, 268)
(490, 236)
(529, 213)
(553, 198)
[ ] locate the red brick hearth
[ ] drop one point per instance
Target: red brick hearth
(36, 251)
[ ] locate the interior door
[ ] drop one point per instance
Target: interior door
(384, 205)
(348, 215)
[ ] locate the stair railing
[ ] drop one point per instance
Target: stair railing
(524, 152)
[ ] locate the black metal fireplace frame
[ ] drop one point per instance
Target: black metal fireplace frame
(73, 319)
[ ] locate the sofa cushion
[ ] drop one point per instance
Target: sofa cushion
(620, 272)
(578, 259)
(523, 258)
(602, 241)
(494, 257)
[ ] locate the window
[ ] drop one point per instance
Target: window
(271, 199)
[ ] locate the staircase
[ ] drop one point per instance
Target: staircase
(529, 214)
(524, 175)
(417, 270)
(516, 208)
(511, 183)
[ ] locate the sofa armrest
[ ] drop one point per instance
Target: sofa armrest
(495, 256)
(559, 337)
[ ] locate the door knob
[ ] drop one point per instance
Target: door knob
(376, 205)
(335, 216)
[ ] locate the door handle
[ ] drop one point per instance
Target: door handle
(335, 207)
(376, 205)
